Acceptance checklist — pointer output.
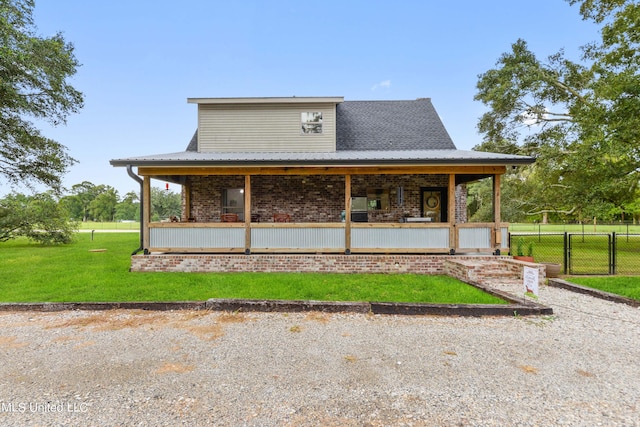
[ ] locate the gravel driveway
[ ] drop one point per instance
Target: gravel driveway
(111, 368)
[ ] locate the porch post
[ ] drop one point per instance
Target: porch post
(146, 212)
(347, 214)
(453, 234)
(247, 214)
(187, 200)
(496, 211)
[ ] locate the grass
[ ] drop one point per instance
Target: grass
(91, 225)
(73, 273)
(589, 252)
(620, 285)
(574, 228)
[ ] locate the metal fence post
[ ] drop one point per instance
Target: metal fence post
(613, 249)
(566, 252)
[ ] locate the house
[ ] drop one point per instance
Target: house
(320, 176)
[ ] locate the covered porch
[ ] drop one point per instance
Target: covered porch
(323, 210)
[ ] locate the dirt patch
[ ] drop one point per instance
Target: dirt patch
(178, 368)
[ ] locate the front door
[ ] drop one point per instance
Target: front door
(434, 204)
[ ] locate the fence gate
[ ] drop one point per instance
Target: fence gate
(590, 254)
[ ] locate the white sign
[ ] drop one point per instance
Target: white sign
(530, 278)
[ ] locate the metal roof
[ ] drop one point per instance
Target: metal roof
(345, 157)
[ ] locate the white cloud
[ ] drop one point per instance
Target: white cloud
(385, 84)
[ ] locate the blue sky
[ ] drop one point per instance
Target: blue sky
(142, 59)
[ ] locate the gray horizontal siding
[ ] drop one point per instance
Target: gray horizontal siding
(263, 128)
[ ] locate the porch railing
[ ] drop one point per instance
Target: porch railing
(400, 237)
(298, 237)
(327, 237)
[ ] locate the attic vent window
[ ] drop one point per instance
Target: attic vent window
(311, 122)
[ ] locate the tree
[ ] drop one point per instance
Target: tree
(40, 218)
(103, 206)
(33, 85)
(165, 204)
(129, 207)
(581, 120)
(78, 202)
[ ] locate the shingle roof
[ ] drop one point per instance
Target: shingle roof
(390, 125)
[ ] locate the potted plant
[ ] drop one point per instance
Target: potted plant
(520, 245)
(552, 268)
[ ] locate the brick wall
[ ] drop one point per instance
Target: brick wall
(461, 203)
(420, 264)
(316, 198)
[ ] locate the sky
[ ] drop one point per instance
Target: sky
(142, 59)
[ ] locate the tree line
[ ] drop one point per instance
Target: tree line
(50, 218)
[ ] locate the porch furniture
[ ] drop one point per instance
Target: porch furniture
(229, 217)
(255, 217)
(281, 217)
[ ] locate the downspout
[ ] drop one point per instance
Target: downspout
(139, 181)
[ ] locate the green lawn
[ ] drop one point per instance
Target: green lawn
(620, 285)
(573, 228)
(108, 225)
(589, 252)
(72, 273)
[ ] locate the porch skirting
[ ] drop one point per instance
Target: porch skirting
(325, 263)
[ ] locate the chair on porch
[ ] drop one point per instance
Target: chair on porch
(281, 217)
(229, 217)
(255, 217)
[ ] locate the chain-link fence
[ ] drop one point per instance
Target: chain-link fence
(583, 253)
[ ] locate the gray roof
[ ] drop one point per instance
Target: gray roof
(346, 157)
(367, 133)
(390, 125)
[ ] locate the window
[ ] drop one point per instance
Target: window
(377, 199)
(311, 122)
(233, 202)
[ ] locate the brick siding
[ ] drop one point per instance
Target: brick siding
(355, 263)
(316, 198)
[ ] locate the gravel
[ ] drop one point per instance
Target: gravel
(580, 366)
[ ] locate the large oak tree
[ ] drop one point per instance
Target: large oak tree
(580, 119)
(34, 74)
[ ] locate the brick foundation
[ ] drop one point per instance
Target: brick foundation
(420, 264)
